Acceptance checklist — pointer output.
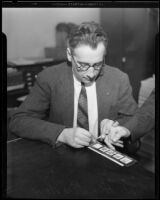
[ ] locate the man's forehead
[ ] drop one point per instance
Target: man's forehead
(84, 50)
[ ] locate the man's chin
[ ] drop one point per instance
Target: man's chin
(88, 82)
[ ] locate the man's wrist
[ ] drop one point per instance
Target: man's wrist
(61, 137)
(129, 139)
(60, 140)
(128, 135)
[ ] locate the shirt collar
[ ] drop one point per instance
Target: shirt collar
(76, 81)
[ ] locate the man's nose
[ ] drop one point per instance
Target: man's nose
(91, 72)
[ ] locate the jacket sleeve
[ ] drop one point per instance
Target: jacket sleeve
(126, 103)
(28, 121)
(144, 119)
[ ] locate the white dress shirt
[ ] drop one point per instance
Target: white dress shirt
(92, 106)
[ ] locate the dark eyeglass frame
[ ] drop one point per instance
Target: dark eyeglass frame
(83, 68)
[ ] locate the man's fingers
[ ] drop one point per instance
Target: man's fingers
(83, 134)
(109, 124)
(85, 138)
(80, 142)
(108, 143)
(78, 146)
(118, 144)
(103, 135)
(116, 133)
(116, 137)
(120, 141)
(104, 129)
(116, 123)
(106, 124)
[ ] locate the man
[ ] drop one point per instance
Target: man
(137, 126)
(54, 113)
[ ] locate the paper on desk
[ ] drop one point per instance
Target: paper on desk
(22, 98)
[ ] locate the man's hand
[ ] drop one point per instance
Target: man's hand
(112, 133)
(114, 136)
(75, 137)
(106, 125)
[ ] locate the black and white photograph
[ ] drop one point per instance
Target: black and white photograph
(80, 101)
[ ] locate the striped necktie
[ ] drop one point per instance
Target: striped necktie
(82, 115)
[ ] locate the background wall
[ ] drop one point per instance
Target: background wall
(29, 30)
(132, 33)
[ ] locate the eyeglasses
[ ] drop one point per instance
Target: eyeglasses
(85, 66)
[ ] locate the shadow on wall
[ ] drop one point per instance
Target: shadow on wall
(59, 51)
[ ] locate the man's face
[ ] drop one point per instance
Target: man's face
(87, 62)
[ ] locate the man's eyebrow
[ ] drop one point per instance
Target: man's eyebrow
(89, 63)
(98, 62)
(82, 62)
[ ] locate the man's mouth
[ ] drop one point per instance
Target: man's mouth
(90, 78)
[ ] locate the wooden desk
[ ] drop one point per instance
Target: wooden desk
(35, 170)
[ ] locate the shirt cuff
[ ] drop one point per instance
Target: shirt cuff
(56, 144)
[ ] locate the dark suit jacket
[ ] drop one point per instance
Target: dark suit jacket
(144, 119)
(49, 107)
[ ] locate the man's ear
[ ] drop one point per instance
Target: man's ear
(69, 57)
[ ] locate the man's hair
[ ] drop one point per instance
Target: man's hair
(71, 27)
(88, 33)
